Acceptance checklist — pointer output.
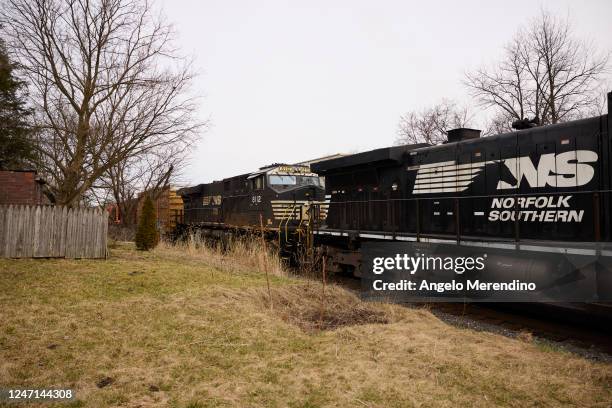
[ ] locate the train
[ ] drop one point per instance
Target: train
(531, 192)
(274, 200)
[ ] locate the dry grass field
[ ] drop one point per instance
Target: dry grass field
(186, 327)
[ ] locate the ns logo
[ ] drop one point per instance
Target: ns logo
(568, 169)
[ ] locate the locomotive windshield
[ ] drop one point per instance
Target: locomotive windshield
(282, 180)
(287, 181)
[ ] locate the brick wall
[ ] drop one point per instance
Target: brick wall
(20, 187)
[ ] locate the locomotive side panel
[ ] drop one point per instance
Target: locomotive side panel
(536, 184)
(236, 201)
(203, 203)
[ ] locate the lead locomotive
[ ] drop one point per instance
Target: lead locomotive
(276, 198)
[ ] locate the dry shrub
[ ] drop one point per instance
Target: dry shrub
(305, 306)
(241, 254)
(302, 304)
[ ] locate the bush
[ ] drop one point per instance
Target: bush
(147, 236)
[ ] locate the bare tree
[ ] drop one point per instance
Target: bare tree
(430, 125)
(506, 87)
(107, 83)
(151, 172)
(546, 73)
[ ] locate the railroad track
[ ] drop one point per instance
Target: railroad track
(591, 338)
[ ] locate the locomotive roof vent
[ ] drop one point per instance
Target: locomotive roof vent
(457, 135)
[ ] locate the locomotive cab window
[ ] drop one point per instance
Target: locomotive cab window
(258, 183)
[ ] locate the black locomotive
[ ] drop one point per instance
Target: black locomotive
(531, 194)
(549, 184)
(275, 198)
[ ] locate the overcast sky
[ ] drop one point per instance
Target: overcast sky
(286, 81)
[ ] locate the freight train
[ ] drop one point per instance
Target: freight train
(534, 192)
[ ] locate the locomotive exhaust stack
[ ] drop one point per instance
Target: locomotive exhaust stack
(526, 123)
(461, 134)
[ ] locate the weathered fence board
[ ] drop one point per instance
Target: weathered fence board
(52, 232)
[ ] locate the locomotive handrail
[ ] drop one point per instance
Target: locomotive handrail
(288, 217)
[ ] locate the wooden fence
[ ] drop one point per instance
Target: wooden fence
(52, 232)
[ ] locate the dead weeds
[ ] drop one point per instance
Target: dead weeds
(305, 306)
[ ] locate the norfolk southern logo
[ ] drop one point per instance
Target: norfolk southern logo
(445, 177)
(568, 169)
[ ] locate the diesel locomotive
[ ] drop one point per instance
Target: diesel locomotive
(532, 194)
(275, 199)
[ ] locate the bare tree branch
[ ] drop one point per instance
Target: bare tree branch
(107, 85)
(430, 125)
(546, 73)
(151, 172)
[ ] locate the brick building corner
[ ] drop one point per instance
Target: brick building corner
(21, 187)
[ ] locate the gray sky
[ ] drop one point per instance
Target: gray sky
(286, 81)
